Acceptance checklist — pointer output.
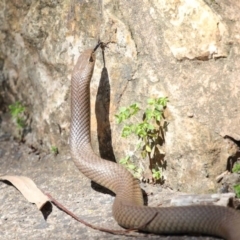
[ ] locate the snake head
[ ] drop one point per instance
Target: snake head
(85, 64)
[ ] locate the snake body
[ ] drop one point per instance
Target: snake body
(128, 209)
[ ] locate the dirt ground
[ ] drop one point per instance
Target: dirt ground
(58, 176)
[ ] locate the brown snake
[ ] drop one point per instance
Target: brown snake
(128, 209)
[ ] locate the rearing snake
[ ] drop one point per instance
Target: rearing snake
(128, 209)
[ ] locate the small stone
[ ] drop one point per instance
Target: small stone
(190, 114)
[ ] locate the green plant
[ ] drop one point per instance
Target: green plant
(17, 113)
(237, 190)
(236, 187)
(156, 174)
(150, 131)
(54, 150)
(126, 161)
(236, 168)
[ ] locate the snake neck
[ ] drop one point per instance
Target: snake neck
(80, 114)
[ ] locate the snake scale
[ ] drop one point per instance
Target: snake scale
(128, 209)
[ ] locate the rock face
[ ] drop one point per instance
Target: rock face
(186, 50)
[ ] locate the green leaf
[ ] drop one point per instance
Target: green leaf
(16, 109)
(150, 127)
(159, 117)
(122, 109)
(135, 108)
(156, 174)
(124, 160)
(20, 122)
(236, 168)
(157, 112)
(162, 101)
(131, 166)
(148, 114)
(237, 190)
(151, 101)
(119, 119)
(127, 130)
(142, 133)
(54, 150)
(148, 149)
(144, 154)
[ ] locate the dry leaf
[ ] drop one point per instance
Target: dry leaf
(28, 189)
